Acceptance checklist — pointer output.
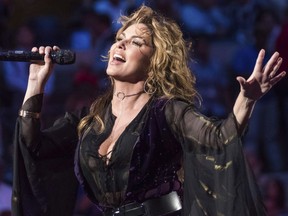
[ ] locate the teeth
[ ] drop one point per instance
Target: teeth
(118, 57)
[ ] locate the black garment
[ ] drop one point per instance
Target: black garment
(44, 183)
(217, 178)
(108, 178)
(150, 167)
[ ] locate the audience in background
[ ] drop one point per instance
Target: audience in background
(247, 24)
(83, 89)
(15, 78)
(281, 90)
(263, 132)
(275, 197)
(204, 17)
(208, 70)
(113, 8)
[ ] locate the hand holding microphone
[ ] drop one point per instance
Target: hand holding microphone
(42, 59)
(41, 69)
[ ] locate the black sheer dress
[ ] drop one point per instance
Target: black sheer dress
(108, 178)
(144, 162)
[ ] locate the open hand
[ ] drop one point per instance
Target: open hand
(263, 78)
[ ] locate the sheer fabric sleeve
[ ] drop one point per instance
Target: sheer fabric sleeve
(43, 180)
(217, 177)
(56, 141)
(198, 132)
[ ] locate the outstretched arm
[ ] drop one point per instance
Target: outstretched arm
(262, 79)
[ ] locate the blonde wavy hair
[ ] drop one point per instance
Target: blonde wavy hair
(169, 75)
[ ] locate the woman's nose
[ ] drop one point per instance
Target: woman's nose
(121, 44)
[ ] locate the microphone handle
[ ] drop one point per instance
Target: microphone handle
(59, 57)
(21, 56)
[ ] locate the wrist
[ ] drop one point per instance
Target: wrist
(249, 101)
(35, 86)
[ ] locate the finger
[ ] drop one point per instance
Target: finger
(41, 50)
(56, 48)
(276, 67)
(47, 50)
(47, 54)
(277, 78)
(241, 81)
(270, 65)
(34, 49)
(259, 61)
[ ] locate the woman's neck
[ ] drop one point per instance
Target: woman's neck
(123, 90)
(127, 102)
(128, 96)
(121, 95)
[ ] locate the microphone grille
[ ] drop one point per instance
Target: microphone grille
(63, 57)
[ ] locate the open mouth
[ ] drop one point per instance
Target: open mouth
(118, 57)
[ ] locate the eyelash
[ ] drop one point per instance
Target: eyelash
(137, 43)
(133, 41)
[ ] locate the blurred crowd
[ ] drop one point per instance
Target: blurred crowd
(226, 36)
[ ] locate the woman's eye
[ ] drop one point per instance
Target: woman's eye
(137, 43)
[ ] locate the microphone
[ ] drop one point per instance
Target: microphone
(61, 57)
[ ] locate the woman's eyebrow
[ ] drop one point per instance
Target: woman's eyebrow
(133, 36)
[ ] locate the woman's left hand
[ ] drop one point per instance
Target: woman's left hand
(263, 78)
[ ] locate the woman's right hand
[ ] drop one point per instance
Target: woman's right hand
(39, 72)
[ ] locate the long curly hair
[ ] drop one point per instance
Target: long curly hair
(168, 73)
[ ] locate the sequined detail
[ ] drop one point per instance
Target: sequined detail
(221, 167)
